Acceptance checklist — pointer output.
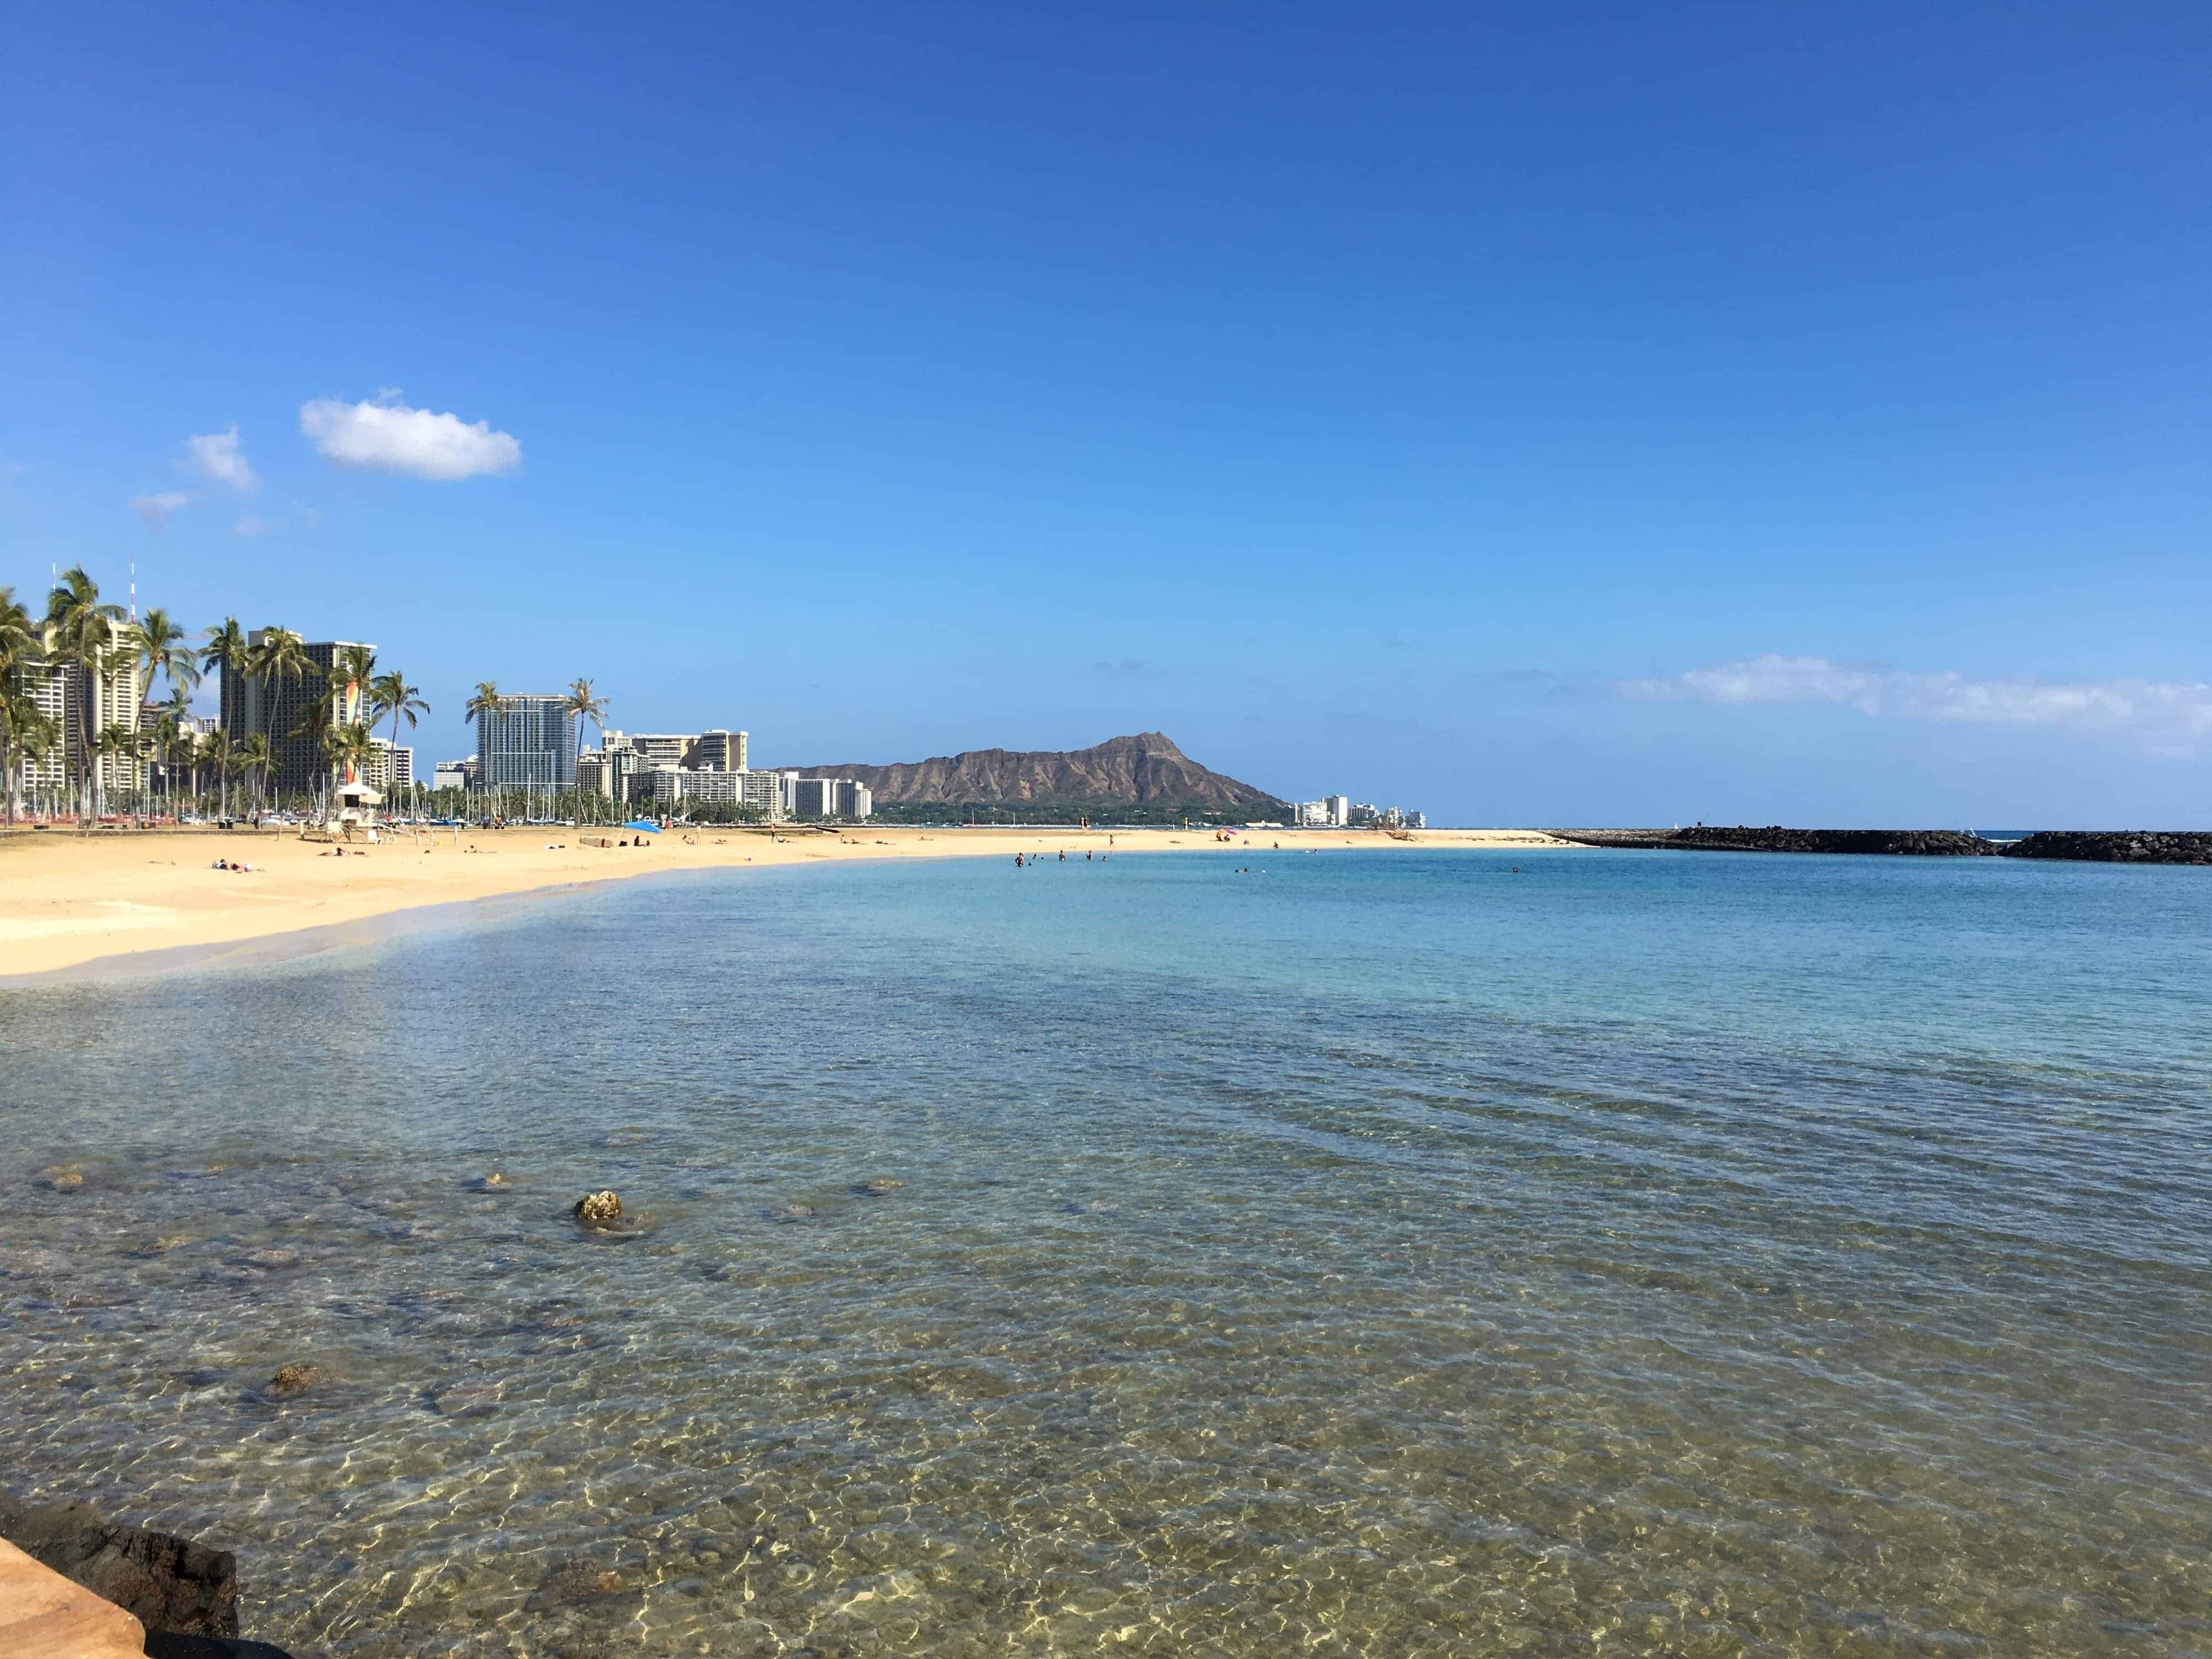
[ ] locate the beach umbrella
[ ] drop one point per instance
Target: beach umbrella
(642, 823)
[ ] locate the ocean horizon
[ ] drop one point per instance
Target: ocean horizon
(1544, 1252)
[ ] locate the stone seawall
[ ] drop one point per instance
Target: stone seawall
(2118, 846)
(1774, 838)
(2097, 846)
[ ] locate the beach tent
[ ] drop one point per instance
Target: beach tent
(642, 823)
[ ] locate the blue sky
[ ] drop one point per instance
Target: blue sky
(1606, 414)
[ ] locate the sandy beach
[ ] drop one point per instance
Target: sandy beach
(68, 899)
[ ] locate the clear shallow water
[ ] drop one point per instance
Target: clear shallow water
(1390, 1254)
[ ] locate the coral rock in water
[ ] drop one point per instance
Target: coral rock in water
(598, 1209)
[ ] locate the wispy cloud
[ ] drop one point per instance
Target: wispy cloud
(387, 435)
(217, 456)
(2159, 710)
(251, 525)
(156, 509)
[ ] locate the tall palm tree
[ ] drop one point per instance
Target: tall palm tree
(27, 733)
(281, 656)
(19, 648)
(584, 704)
(350, 745)
(168, 726)
(349, 678)
(158, 644)
(18, 630)
(215, 749)
(318, 730)
(115, 744)
(389, 694)
(487, 701)
(227, 648)
(80, 631)
(253, 757)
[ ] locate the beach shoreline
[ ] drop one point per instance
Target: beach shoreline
(153, 900)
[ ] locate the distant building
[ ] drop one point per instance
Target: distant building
(1331, 813)
(274, 709)
(453, 774)
(717, 752)
(528, 743)
(65, 695)
(661, 748)
(831, 798)
(669, 786)
(595, 774)
(48, 686)
(389, 768)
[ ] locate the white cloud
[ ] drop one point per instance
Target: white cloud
(156, 509)
(216, 455)
(394, 438)
(2161, 710)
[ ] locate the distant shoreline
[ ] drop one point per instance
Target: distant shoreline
(152, 902)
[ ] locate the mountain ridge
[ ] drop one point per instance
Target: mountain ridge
(1146, 769)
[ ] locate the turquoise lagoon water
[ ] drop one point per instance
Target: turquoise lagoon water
(1387, 1254)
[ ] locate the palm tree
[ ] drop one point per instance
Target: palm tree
(168, 726)
(585, 705)
(27, 733)
(281, 655)
(216, 751)
(349, 676)
(389, 694)
(80, 631)
(350, 744)
(486, 701)
(158, 644)
(318, 730)
(19, 648)
(227, 648)
(115, 744)
(253, 757)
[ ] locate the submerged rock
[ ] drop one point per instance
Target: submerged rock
(297, 1378)
(600, 1209)
(579, 1581)
(271, 1258)
(61, 1178)
(471, 1400)
(881, 1185)
(793, 1212)
(494, 1182)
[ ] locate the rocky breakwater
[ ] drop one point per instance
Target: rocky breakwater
(184, 1594)
(2118, 846)
(1774, 838)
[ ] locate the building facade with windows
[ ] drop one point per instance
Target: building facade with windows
(275, 708)
(528, 743)
(71, 698)
(389, 768)
(829, 798)
(717, 752)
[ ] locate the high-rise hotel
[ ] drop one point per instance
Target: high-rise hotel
(274, 707)
(528, 743)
